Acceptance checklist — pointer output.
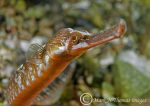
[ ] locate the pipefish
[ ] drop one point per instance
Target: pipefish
(49, 62)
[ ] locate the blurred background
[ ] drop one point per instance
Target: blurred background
(119, 69)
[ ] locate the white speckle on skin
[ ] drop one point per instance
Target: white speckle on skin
(32, 77)
(27, 82)
(46, 59)
(60, 50)
(30, 72)
(85, 33)
(82, 32)
(80, 45)
(39, 71)
(70, 30)
(19, 82)
(22, 87)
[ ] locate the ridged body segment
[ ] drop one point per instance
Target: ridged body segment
(53, 91)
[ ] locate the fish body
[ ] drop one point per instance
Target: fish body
(53, 91)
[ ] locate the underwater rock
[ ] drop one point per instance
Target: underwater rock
(131, 76)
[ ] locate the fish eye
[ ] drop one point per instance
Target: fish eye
(74, 39)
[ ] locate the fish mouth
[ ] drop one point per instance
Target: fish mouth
(114, 32)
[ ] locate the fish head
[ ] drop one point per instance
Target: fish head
(72, 43)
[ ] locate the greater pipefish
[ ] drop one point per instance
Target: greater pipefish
(49, 62)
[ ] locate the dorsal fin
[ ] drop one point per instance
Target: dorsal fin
(33, 50)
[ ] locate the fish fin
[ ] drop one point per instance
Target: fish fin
(34, 53)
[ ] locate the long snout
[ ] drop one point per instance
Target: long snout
(114, 32)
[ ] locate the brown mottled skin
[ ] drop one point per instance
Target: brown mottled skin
(49, 62)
